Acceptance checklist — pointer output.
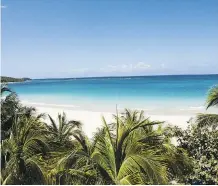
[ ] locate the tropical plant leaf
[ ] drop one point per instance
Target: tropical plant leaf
(212, 98)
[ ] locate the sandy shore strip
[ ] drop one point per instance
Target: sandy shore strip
(92, 120)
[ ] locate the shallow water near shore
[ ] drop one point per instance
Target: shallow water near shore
(179, 94)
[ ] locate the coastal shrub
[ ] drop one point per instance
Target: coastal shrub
(200, 140)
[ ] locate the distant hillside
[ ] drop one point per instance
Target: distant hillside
(5, 79)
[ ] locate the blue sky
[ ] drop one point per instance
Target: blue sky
(74, 38)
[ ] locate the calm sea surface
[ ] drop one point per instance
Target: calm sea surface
(178, 93)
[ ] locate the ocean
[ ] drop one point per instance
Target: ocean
(170, 94)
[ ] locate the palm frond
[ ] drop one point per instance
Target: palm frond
(35, 172)
(150, 165)
(82, 139)
(8, 180)
(41, 116)
(207, 120)
(132, 179)
(212, 98)
(53, 124)
(104, 153)
(35, 145)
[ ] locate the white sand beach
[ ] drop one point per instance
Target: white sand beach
(92, 120)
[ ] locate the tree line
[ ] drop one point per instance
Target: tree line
(5, 79)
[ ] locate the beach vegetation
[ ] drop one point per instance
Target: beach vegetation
(5, 79)
(200, 140)
(38, 149)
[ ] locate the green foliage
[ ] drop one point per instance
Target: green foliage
(5, 79)
(212, 98)
(205, 171)
(202, 145)
(130, 150)
(62, 132)
(200, 140)
(10, 106)
(25, 142)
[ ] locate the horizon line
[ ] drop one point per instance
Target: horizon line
(123, 76)
(114, 76)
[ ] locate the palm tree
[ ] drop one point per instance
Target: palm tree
(128, 151)
(209, 120)
(64, 129)
(212, 98)
(9, 106)
(21, 151)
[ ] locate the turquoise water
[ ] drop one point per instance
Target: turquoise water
(147, 92)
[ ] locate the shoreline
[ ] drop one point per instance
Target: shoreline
(90, 115)
(91, 120)
(88, 105)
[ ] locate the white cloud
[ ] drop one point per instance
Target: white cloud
(141, 65)
(3, 6)
(126, 67)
